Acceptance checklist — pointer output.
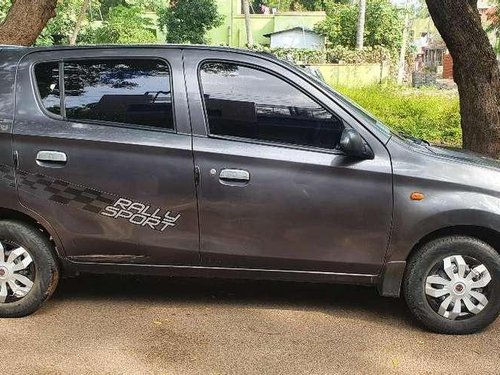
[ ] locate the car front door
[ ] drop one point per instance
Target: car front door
(105, 157)
(275, 191)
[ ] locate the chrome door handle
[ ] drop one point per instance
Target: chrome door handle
(234, 175)
(51, 158)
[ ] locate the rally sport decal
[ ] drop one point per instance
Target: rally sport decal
(97, 202)
(141, 214)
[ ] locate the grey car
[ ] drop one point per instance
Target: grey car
(215, 162)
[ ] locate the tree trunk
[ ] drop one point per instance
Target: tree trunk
(360, 34)
(248, 26)
(26, 20)
(476, 72)
(78, 26)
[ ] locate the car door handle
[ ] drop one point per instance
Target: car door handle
(51, 159)
(234, 177)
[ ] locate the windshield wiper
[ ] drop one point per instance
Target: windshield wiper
(418, 141)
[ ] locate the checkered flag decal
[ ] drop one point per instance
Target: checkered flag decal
(7, 175)
(65, 193)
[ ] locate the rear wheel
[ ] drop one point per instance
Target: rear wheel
(452, 285)
(28, 269)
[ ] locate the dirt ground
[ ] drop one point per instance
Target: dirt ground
(139, 325)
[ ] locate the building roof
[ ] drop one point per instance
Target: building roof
(301, 28)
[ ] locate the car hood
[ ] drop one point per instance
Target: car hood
(464, 156)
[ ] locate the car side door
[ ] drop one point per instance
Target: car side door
(275, 190)
(104, 153)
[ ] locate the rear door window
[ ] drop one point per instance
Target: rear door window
(131, 92)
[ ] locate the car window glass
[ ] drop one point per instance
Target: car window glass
(47, 81)
(248, 103)
(126, 91)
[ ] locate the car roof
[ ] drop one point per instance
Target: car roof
(199, 47)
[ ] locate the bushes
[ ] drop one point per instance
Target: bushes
(368, 55)
(332, 55)
(426, 113)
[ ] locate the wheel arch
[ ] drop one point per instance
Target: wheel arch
(391, 277)
(485, 234)
(48, 232)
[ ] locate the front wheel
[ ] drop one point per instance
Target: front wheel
(452, 285)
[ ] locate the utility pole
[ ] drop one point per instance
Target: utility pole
(404, 44)
(360, 34)
(248, 26)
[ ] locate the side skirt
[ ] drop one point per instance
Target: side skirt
(74, 268)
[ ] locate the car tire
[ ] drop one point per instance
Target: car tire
(29, 272)
(436, 279)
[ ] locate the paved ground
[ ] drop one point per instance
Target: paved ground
(111, 324)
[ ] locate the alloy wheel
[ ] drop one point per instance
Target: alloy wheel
(457, 287)
(17, 272)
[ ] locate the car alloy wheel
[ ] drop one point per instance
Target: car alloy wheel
(457, 287)
(17, 272)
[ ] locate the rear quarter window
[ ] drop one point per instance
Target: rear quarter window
(47, 83)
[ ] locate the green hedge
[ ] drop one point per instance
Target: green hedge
(426, 113)
(331, 55)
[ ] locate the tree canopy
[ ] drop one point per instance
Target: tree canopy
(105, 21)
(383, 25)
(123, 25)
(187, 21)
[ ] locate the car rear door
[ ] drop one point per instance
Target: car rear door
(275, 191)
(105, 156)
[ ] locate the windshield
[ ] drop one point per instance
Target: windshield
(316, 75)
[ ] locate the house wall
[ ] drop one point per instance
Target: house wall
(353, 75)
(232, 32)
(261, 24)
(297, 39)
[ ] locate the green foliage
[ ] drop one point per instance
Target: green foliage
(332, 55)
(367, 55)
(59, 28)
(108, 21)
(383, 27)
(295, 55)
(297, 5)
(294, 5)
(4, 8)
(124, 25)
(187, 21)
(426, 113)
(148, 5)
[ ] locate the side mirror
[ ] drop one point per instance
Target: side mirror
(352, 144)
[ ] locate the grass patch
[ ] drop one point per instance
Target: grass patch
(426, 113)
